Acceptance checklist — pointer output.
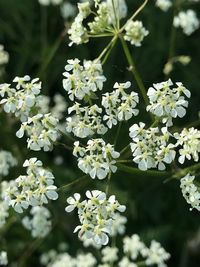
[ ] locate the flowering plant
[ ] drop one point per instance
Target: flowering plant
(107, 127)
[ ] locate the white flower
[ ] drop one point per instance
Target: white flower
(133, 246)
(168, 102)
(86, 121)
(68, 10)
(164, 5)
(135, 32)
(189, 141)
(42, 131)
(97, 159)
(3, 258)
(187, 20)
(96, 215)
(7, 161)
(48, 2)
(21, 99)
(190, 191)
(116, 8)
(155, 255)
(125, 262)
(151, 147)
(74, 202)
(109, 254)
(4, 57)
(33, 189)
(3, 213)
(80, 80)
(39, 224)
(119, 106)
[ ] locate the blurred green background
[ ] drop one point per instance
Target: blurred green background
(34, 36)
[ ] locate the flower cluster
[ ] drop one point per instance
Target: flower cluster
(32, 189)
(187, 20)
(190, 191)
(42, 132)
(7, 161)
(134, 251)
(155, 255)
(24, 101)
(22, 98)
(189, 140)
(39, 224)
(82, 81)
(107, 16)
(151, 147)
(53, 259)
(3, 213)
(3, 258)
(135, 32)
(168, 102)
(96, 159)
(164, 5)
(4, 57)
(182, 59)
(48, 2)
(87, 121)
(119, 105)
(68, 10)
(96, 215)
(134, 247)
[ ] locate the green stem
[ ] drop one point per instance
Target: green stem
(107, 48)
(108, 52)
(117, 134)
(138, 172)
(133, 69)
(192, 169)
(124, 149)
(64, 187)
(108, 183)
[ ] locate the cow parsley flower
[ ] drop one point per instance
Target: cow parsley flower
(3, 258)
(96, 215)
(118, 225)
(119, 106)
(168, 102)
(96, 159)
(78, 32)
(42, 131)
(32, 189)
(67, 10)
(48, 2)
(81, 81)
(4, 57)
(164, 5)
(117, 8)
(135, 32)
(133, 246)
(189, 140)
(125, 262)
(21, 99)
(151, 147)
(155, 254)
(4, 208)
(7, 161)
(190, 191)
(39, 224)
(3, 213)
(109, 254)
(187, 20)
(86, 121)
